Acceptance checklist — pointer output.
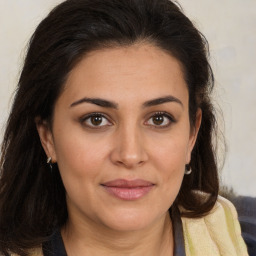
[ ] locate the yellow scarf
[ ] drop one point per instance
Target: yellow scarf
(216, 234)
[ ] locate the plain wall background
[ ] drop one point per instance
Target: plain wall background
(229, 26)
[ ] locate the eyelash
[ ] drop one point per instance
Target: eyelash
(91, 115)
(170, 118)
(101, 115)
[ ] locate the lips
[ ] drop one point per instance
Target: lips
(128, 189)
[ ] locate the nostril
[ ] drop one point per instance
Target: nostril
(129, 163)
(128, 152)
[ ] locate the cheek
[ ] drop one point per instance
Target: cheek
(170, 152)
(172, 172)
(80, 156)
(81, 165)
(172, 169)
(169, 157)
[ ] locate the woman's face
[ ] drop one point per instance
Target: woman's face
(121, 136)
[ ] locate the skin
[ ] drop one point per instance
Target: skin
(127, 143)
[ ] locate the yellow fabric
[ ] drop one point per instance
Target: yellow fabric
(33, 252)
(217, 234)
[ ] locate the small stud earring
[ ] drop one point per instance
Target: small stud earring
(188, 169)
(49, 162)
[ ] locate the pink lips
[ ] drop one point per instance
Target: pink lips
(128, 189)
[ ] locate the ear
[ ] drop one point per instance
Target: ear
(46, 138)
(193, 134)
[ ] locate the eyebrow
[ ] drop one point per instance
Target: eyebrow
(110, 104)
(162, 100)
(99, 102)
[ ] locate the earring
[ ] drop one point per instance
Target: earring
(188, 169)
(49, 162)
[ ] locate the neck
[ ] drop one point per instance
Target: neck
(94, 240)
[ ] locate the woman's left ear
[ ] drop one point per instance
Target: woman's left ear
(46, 138)
(193, 134)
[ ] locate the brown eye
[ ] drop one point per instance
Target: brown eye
(95, 120)
(158, 120)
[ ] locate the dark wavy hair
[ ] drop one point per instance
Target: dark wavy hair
(32, 198)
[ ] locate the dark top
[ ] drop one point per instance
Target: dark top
(55, 245)
(246, 209)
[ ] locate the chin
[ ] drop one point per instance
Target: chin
(131, 220)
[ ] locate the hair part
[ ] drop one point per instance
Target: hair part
(32, 199)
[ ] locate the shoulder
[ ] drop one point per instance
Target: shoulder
(217, 233)
(246, 209)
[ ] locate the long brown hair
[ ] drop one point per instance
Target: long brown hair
(32, 198)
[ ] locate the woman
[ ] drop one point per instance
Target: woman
(108, 148)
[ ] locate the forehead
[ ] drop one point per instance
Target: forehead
(140, 69)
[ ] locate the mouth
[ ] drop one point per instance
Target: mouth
(128, 189)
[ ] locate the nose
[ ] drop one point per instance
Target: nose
(129, 148)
